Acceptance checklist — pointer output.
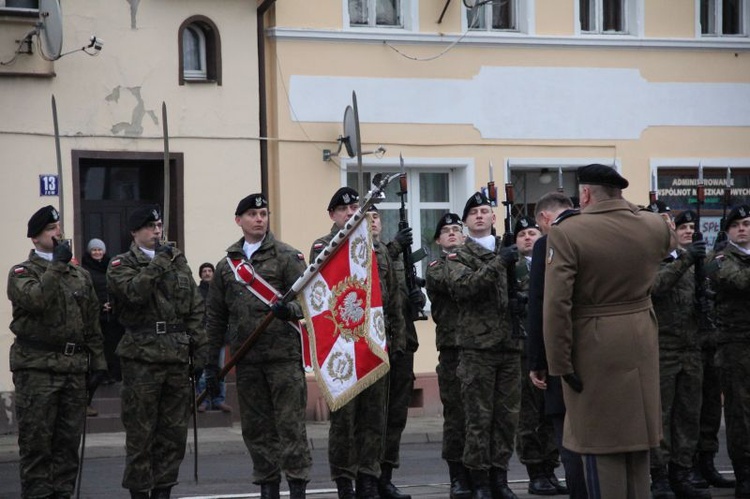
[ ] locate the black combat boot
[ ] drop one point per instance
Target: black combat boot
(660, 488)
(269, 490)
(710, 473)
(742, 473)
(345, 488)
(367, 486)
(137, 494)
(480, 481)
(539, 484)
(549, 472)
(297, 488)
(386, 489)
(499, 484)
(460, 488)
(679, 480)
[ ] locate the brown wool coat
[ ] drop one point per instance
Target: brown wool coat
(600, 324)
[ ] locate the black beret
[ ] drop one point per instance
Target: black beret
(255, 201)
(476, 199)
(144, 215)
(343, 197)
(372, 208)
(40, 219)
(686, 217)
(738, 213)
(523, 223)
(601, 175)
(447, 219)
(659, 206)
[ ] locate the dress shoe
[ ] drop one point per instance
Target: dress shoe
(223, 407)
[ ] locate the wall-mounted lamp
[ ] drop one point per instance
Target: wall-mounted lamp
(545, 177)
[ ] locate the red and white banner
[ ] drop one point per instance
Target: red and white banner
(344, 318)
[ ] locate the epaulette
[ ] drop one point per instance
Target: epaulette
(565, 214)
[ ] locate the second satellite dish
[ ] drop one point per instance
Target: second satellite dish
(50, 29)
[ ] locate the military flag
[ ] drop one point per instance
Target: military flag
(344, 319)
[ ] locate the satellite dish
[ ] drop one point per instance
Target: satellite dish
(50, 29)
(351, 132)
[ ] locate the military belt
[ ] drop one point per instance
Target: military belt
(161, 327)
(66, 349)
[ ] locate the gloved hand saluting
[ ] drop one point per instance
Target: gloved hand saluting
(61, 251)
(404, 237)
(697, 249)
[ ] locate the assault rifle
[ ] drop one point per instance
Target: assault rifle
(515, 300)
(410, 259)
(700, 279)
(721, 238)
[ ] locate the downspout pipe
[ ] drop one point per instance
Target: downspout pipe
(263, 106)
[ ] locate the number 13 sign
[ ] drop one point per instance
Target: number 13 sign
(48, 185)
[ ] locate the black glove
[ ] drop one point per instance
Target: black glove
(509, 254)
(62, 252)
(417, 298)
(93, 380)
(163, 248)
(574, 382)
(281, 311)
(212, 381)
(697, 250)
(404, 237)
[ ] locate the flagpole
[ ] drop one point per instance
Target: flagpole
(375, 195)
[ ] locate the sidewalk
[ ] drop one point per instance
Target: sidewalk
(228, 440)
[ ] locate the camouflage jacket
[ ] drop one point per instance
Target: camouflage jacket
(395, 322)
(53, 304)
(399, 270)
(729, 272)
(144, 292)
(673, 296)
(236, 312)
(319, 244)
(478, 281)
(444, 307)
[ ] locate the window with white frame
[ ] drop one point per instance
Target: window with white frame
(200, 51)
(20, 5)
(376, 13)
(497, 15)
(603, 16)
(430, 196)
(724, 17)
(194, 53)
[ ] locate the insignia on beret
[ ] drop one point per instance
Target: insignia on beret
(447, 218)
(477, 198)
(155, 214)
(19, 270)
(346, 198)
(54, 215)
(742, 212)
(524, 223)
(550, 255)
(116, 262)
(258, 201)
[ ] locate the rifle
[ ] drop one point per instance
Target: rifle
(721, 238)
(376, 194)
(653, 194)
(514, 298)
(410, 269)
(700, 279)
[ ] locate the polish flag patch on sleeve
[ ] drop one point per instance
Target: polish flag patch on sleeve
(433, 263)
(451, 256)
(19, 270)
(300, 257)
(116, 262)
(318, 246)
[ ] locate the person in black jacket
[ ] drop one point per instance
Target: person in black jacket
(550, 208)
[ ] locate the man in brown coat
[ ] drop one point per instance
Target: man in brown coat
(601, 333)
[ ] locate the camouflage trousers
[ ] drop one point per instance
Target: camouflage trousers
(355, 437)
(273, 398)
(400, 387)
(535, 435)
(50, 409)
(453, 410)
(491, 395)
(734, 362)
(156, 402)
(711, 405)
(680, 380)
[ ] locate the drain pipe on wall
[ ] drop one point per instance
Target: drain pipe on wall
(262, 105)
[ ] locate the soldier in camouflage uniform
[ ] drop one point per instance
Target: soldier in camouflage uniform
(401, 375)
(355, 438)
(535, 436)
(730, 277)
(157, 301)
(449, 236)
(680, 367)
(271, 381)
(490, 360)
(57, 342)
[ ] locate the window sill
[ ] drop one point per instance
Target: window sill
(198, 81)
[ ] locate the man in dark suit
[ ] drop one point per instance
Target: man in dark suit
(549, 208)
